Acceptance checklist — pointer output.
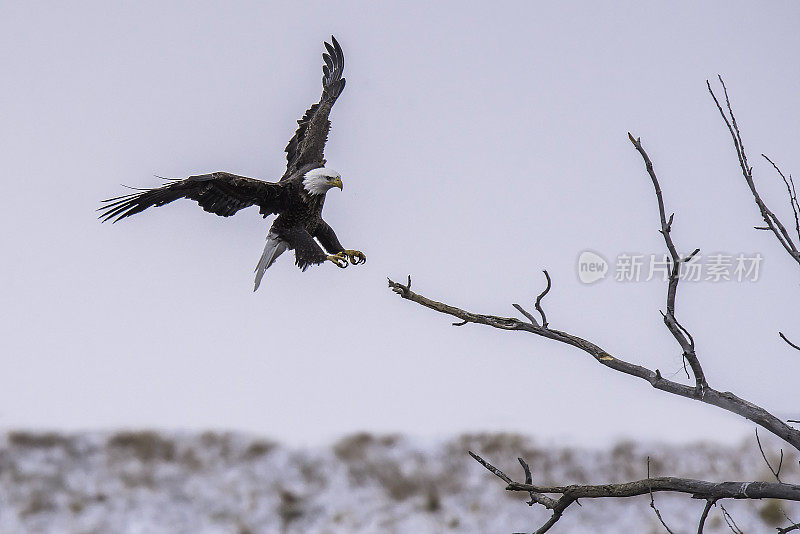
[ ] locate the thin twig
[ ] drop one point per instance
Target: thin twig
(524, 312)
(557, 507)
(789, 519)
(541, 296)
(685, 370)
(691, 342)
(792, 192)
(491, 468)
(698, 489)
(653, 501)
(780, 462)
(701, 525)
(731, 523)
(793, 345)
(527, 469)
(536, 498)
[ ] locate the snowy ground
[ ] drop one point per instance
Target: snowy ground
(147, 482)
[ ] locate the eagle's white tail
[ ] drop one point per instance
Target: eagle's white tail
(275, 247)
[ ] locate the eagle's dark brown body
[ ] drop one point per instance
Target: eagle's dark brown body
(297, 199)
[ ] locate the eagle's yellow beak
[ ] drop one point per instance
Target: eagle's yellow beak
(338, 183)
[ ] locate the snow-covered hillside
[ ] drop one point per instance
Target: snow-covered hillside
(148, 482)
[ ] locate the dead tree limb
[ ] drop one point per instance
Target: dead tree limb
(680, 334)
(725, 400)
(698, 489)
(701, 391)
(774, 224)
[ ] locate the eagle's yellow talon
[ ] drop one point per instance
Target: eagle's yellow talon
(355, 256)
(339, 259)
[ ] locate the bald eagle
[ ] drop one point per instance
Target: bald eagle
(296, 199)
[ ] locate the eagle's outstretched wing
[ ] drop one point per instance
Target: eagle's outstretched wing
(308, 143)
(221, 193)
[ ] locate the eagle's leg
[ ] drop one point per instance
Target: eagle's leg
(355, 256)
(339, 259)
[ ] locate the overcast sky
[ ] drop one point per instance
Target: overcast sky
(478, 145)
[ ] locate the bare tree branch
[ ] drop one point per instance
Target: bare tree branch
(557, 506)
(773, 223)
(698, 489)
(725, 400)
(680, 334)
(711, 492)
(702, 391)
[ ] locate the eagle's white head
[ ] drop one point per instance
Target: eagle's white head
(318, 181)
